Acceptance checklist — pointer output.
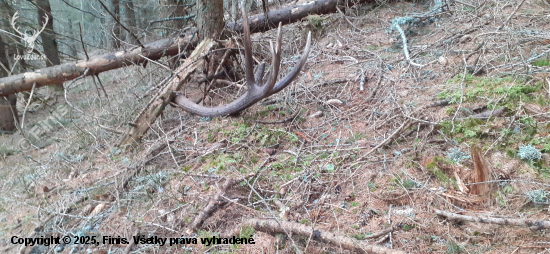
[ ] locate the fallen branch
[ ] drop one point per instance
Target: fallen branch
(405, 49)
(214, 202)
(537, 225)
(148, 115)
(96, 64)
(273, 227)
(489, 113)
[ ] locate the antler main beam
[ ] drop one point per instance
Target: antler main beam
(256, 89)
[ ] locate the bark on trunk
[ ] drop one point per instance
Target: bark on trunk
(48, 39)
(115, 42)
(7, 103)
(261, 23)
(73, 44)
(8, 112)
(209, 18)
(49, 44)
(128, 9)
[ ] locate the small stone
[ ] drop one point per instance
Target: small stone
(329, 45)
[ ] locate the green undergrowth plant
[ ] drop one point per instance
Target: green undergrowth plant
(541, 62)
(404, 182)
(436, 167)
(500, 92)
(453, 247)
(510, 89)
(246, 133)
(315, 25)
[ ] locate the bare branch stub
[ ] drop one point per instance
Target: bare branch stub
(257, 90)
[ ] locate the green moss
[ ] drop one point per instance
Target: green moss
(315, 21)
(541, 62)
(434, 168)
(453, 248)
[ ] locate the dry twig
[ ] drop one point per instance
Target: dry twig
(212, 204)
(271, 226)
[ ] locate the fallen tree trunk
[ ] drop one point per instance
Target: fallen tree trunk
(272, 226)
(155, 50)
(534, 224)
(60, 73)
(261, 23)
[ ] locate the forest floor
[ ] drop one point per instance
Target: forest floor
(346, 160)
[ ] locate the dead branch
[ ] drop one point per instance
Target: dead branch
(489, 113)
(537, 224)
(214, 202)
(271, 226)
(149, 114)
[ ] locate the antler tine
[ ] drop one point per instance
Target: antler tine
(295, 71)
(249, 69)
(256, 91)
(259, 76)
(15, 16)
(276, 61)
(46, 19)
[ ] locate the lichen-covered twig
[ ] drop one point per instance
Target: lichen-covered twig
(405, 48)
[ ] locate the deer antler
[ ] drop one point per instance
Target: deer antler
(15, 16)
(46, 19)
(256, 90)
